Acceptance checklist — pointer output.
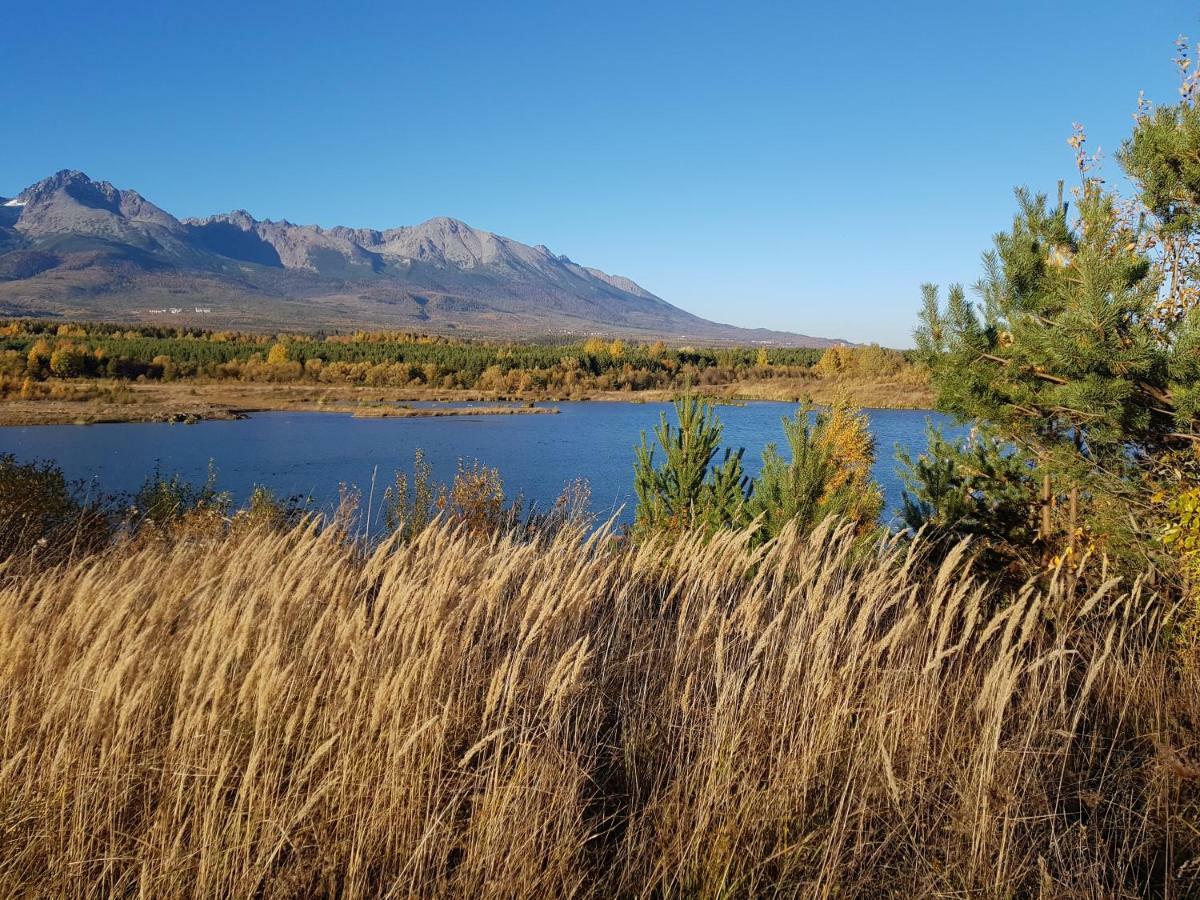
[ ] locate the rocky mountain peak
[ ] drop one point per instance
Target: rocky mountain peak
(69, 202)
(100, 248)
(237, 217)
(77, 186)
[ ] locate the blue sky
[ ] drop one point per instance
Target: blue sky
(796, 166)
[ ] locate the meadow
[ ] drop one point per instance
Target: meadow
(275, 710)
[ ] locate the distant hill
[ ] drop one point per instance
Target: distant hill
(78, 248)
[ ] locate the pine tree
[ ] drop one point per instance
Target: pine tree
(1162, 157)
(1065, 359)
(975, 488)
(1083, 354)
(686, 490)
(829, 473)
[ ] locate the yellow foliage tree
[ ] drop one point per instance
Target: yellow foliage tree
(67, 361)
(835, 360)
(38, 359)
(277, 355)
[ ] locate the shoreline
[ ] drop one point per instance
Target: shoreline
(186, 402)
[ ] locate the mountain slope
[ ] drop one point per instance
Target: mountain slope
(75, 247)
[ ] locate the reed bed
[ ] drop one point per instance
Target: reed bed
(282, 714)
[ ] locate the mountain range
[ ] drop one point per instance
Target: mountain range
(76, 248)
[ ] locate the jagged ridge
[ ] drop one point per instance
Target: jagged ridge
(74, 246)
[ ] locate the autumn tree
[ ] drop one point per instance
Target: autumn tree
(37, 361)
(68, 361)
(278, 354)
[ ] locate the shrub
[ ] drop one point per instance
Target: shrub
(45, 519)
(265, 509)
(476, 500)
(409, 503)
(165, 505)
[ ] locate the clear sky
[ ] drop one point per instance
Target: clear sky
(794, 165)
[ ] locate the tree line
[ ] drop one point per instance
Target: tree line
(40, 351)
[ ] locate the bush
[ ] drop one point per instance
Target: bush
(44, 518)
(265, 509)
(408, 504)
(475, 501)
(166, 505)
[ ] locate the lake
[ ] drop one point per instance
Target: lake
(310, 453)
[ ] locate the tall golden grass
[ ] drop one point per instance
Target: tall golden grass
(279, 714)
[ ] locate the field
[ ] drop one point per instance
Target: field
(282, 713)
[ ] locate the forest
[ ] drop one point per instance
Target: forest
(38, 352)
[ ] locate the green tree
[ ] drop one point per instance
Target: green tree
(1083, 355)
(829, 473)
(975, 488)
(1162, 157)
(687, 490)
(1064, 359)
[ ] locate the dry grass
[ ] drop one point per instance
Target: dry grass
(276, 715)
(911, 392)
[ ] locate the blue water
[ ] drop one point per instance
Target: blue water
(309, 454)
